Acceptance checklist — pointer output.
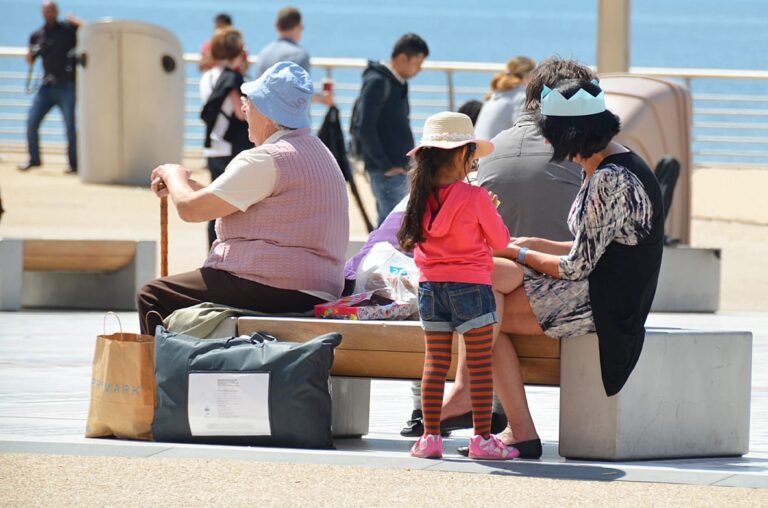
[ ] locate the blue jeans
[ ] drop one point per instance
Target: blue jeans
(388, 191)
(47, 97)
(448, 306)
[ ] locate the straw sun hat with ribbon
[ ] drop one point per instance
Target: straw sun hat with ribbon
(451, 130)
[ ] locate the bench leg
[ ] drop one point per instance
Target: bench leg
(11, 269)
(128, 280)
(689, 396)
(351, 406)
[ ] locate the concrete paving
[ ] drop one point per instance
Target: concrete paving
(45, 361)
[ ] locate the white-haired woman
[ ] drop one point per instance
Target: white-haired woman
(281, 211)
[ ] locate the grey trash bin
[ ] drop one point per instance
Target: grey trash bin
(130, 101)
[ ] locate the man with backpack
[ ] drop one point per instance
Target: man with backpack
(381, 121)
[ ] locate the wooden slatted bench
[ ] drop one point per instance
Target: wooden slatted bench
(82, 274)
(663, 411)
(395, 349)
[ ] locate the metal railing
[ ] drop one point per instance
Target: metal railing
(729, 128)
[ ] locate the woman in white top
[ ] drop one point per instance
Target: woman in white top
(226, 129)
(505, 102)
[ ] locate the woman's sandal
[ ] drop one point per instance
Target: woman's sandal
(528, 449)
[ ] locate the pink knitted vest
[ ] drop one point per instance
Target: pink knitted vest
(296, 238)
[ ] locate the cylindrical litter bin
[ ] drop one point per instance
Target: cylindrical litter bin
(130, 101)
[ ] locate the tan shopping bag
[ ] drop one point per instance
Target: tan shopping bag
(122, 387)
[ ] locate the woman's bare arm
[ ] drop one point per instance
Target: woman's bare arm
(537, 244)
(193, 202)
(545, 246)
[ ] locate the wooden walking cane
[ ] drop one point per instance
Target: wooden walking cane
(164, 236)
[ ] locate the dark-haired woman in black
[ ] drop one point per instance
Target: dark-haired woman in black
(605, 279)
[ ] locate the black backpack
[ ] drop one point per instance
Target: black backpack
(355, 150)
(667, 172)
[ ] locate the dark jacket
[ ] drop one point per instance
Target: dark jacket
(384, 119)
(332, 136)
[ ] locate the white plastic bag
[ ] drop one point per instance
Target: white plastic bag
(384, 267)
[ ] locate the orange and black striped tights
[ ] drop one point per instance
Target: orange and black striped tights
(437, 361)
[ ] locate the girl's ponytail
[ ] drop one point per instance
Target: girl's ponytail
(422, 182)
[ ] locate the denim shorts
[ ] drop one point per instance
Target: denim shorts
(448, 306)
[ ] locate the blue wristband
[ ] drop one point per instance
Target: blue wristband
(521, 255)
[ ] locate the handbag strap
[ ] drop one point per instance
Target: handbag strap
(263, 337)
(155, 314)
(104, 323)
(254, 338)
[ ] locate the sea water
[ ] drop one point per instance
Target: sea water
(664, 33)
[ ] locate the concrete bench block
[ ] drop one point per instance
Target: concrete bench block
(115, 290)
(11, 268)
(689, 280)
(689, 396)
(351, 399)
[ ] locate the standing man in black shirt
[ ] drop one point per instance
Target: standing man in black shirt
(54, 42)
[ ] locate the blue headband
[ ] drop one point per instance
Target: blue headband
(582, 103)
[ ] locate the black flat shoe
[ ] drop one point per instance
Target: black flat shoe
(415, 426)
(528, 449)
(457, 422)
(498, 422)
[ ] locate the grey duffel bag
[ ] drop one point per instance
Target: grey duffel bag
(243, 390)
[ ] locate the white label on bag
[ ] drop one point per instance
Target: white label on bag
(229, 404)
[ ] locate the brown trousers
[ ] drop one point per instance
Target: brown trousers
(159, 298)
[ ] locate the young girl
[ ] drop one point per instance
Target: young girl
(452, 227)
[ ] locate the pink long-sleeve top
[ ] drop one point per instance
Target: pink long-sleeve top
(460, 234)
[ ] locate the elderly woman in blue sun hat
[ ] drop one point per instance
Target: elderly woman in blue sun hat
(605, 279)
(281, 211)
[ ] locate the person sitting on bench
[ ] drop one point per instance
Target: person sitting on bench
(535, 195)
(604, 280)
(281, 210)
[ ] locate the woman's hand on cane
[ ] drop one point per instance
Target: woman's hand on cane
(159, 188)
(161, 174)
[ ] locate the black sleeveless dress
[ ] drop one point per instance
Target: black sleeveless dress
(609, 278)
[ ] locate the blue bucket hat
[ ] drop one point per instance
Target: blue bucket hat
(282, 94)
